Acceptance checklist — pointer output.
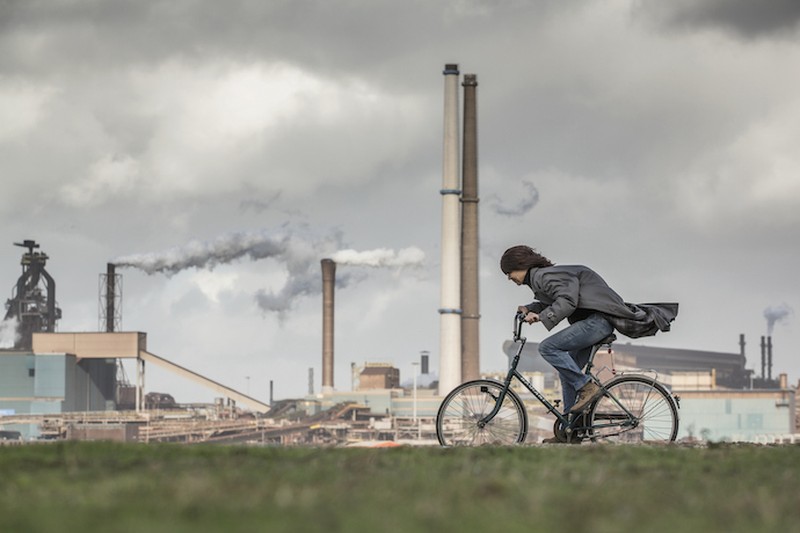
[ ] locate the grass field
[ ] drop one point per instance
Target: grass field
(73, 487)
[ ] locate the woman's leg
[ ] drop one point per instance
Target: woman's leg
(568, 393)
(561, 350)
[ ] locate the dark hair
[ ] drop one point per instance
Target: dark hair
(522, 258)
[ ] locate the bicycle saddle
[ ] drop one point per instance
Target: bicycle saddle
(608, 340)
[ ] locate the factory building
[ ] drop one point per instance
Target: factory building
(41, 384)
(378, 376)
(46, 383)
(52, 373)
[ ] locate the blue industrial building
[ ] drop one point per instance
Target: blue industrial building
(37, 384)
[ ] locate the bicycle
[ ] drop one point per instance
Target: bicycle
(633, 408)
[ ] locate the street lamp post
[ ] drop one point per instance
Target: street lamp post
(416, 421)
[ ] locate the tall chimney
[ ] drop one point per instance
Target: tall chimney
(763, 358)
(328, 281)
(271, 391)
(769, 358)
(449, 319)
(423, 363)
(470, 309)
(111, 291)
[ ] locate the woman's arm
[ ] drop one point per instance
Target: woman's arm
(563, 289)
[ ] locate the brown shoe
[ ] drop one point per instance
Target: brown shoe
(586, 395)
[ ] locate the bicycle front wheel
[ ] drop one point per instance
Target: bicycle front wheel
(458, 420)
(636, 409)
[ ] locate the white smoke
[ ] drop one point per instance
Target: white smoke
(9, 335)
(776, 314)
(381, 257)
(305, 279)
(283, 244)
(299, 251)
(525, 204)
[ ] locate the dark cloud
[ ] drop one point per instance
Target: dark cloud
(743, 18)
(315, 34)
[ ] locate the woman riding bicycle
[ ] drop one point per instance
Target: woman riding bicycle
(592, 308)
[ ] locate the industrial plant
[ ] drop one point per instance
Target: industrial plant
(73, 385)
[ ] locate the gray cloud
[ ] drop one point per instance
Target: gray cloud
(743, 18)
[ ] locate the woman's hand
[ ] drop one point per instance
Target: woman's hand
(531, 317)
(528, 316)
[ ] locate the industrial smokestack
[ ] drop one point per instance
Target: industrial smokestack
(328, 282)
(111, 291)
(423, 363)
(470, 308)
(769, 358)
(449, 319)
(763, 357)
(271, 391)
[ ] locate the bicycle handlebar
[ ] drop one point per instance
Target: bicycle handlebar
(518, 321)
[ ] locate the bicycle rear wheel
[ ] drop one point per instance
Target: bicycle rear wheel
(467, 404)
(653, 414)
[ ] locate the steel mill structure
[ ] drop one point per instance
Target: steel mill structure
(33, 302)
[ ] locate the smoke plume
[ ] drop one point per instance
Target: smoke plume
(381, 257)
(8, 332)
(776, 314)
(305, 279)
(299, 251)
(525, 204)
(283, 244)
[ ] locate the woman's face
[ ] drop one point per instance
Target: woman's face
(517, 276)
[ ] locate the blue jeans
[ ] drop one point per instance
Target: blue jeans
(569, 349)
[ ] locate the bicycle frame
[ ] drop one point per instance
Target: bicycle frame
(569, 423)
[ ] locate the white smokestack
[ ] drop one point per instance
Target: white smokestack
(450, 311)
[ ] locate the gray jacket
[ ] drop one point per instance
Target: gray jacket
(561, 290)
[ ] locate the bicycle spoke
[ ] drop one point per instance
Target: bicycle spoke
(469, 404)
(636, 410)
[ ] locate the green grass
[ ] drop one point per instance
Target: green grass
(70, 487)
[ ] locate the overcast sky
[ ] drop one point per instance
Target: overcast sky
(656, 142)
